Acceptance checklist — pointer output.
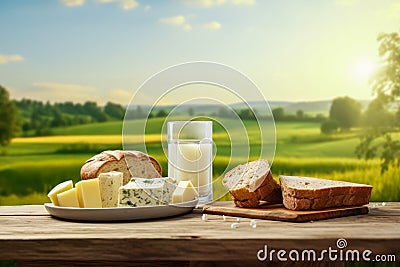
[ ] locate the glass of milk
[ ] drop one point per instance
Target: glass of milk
(190, 155)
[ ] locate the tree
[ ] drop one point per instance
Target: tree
(278, 113)
(300, 114)
(346, 111)
(247, 114)
(161, 114)
(58, 119)
(377, 115)
(8, 115)
(329, 126)
(114, 110)
(94, 111)
(385, 85)
(191, 111)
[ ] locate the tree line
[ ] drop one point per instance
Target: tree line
(279, 114)
(346, 113)
(32, 117)
(38, 118)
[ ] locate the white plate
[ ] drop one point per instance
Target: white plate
(120, 214)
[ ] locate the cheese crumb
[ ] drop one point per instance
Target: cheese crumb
(224, 217)
(204, 217)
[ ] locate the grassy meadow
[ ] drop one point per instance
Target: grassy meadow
(31, 166)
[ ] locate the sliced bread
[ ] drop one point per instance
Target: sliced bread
(251, 183)
(130, 163)
(305, 193)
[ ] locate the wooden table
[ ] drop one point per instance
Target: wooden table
(32, 237)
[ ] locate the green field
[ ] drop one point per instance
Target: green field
(31, 166)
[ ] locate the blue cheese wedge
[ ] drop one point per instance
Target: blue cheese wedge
(146, 192)
(110, 182)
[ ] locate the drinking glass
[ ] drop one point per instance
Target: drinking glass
(190, 155)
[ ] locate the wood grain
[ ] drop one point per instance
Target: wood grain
(26, 236)
(177, 263)
(277, 212)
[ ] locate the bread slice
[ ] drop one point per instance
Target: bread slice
(130, 163)
(251, 183)
(305, 193)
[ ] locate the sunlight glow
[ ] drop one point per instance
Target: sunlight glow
(363, 69)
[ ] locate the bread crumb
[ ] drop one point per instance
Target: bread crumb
(204, 217)
(238, 219)
(253, 223)
(234, 225)
(383, 203)
(224, 217)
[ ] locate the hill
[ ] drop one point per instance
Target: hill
(311, 107)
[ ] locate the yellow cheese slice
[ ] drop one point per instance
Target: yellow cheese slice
(79, 193)
(68, 198)
(90, 192)
(184, 192)
(64, 186)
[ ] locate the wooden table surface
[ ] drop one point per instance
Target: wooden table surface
(28, 234)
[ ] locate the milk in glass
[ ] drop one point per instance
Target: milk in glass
(190, 155)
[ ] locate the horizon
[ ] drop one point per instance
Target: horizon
(194, 104)
(103, 50)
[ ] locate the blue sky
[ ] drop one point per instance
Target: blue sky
(295, 50)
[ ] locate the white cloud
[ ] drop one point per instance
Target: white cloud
(125, 4)
(214, 25)
(64, 87)
(10, 58)
(119, 96)
(187, 27)
(212, 3)
(72, 3)
(129, 4)
(147, 8)
(60, 92)
(175, 21)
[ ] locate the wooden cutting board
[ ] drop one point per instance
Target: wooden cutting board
(277, 212)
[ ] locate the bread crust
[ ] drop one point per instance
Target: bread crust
(124, 159)
(249, 203)
(249, 196)
(339, 194)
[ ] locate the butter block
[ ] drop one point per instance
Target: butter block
(146, 192)
(62, 187)
(184, 192)
(90, 192)
(110, 182)
(68, 198)
(79, 193)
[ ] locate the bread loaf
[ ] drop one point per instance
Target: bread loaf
(251, 183)
(304, 193)
(130, 163)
